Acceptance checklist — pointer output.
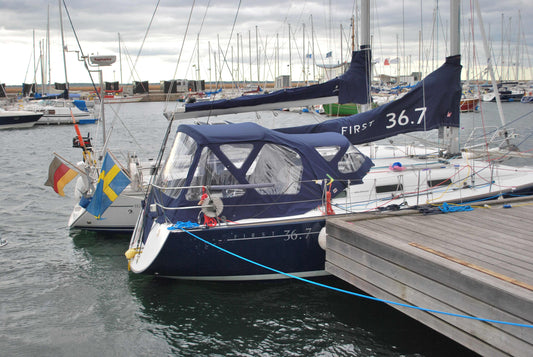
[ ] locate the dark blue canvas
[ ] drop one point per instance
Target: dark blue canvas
(351, 87)
(251, 203)
(432, 103)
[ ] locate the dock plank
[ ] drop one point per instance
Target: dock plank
(482, 253)
(477, 263)
(447, 299)
(487, 240)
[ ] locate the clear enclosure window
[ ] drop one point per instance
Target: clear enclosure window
(279, 166)
(237, 153)
(177, 165)
(327, 152)
(351, 161)
(211, 173)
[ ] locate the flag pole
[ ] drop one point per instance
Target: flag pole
(126, 172)
(68, 163)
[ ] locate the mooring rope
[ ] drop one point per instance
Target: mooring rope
(187, 224)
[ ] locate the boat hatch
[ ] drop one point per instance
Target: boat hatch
(389, 188)
(440, 182)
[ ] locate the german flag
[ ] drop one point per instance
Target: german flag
(59, 175)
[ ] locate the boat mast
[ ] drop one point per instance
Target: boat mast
(313, 48)
(48, 66)
(447, 134)
(303, 55)
(34, 65)
(518, 48)
(63, 45)
(120, 57)
(43, 61)
(257, 53)
(209, 51)
(198, 57)
(489, 63)
(290, 58)
(250, 53)
(365, 44)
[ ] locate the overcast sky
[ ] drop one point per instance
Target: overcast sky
(398, 29)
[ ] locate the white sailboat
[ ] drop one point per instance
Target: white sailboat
(59, 108)
(124, 209)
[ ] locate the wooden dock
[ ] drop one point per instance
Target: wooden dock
(477, 263)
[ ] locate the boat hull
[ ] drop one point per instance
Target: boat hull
(119, 217)
(470, 104)
(58, 119)
(287, 246)
(127, 99)
(527, 99)
(335, 109)
(505, 96)
(18, 120)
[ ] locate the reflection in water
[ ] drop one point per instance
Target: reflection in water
(279, 318)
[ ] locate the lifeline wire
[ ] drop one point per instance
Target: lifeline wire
(353, 293)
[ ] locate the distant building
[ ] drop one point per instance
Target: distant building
(405, 80)
(174, 86)
(141, 87)
(283, 82)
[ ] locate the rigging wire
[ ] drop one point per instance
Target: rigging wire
(224, 53)
(144, 39)
(81, 50)
(181, 52)
(196, 45)
(99, 95)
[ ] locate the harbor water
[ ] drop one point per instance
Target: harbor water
(69, 293)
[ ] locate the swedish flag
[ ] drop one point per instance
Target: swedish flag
(111, 182)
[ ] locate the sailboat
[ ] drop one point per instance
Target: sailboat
(59, 108)
(95, 184)
(235, 193)
(18, 119)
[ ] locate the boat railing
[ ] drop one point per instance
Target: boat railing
(217, 187)
(213, 192)
(491, 136)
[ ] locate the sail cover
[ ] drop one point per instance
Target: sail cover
(432, 103)
(351, 87)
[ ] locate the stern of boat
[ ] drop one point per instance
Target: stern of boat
(141, 255)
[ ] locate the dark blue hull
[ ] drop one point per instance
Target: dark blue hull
(508, 97)
(19, 120)
(290, 247)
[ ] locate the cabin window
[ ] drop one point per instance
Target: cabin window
(237, 153)
(279, 167)
(389, 188)
(327, 152)
(177, 165)
(351, 161)
(214, 176)
(440, 182)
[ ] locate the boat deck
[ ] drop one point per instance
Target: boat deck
(477, 263)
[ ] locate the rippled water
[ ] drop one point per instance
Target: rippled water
(69, 293)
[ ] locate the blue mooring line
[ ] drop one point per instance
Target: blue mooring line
(353, 293)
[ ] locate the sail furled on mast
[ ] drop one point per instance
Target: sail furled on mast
(354, 84)
(434, 102)
(350, 87)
